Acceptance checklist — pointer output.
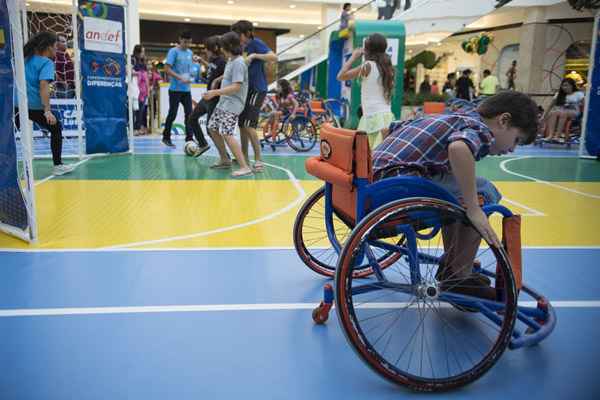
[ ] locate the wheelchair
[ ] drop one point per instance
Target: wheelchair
(382, 241)
(298, 131)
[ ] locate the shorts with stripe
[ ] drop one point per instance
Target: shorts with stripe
(249, 116)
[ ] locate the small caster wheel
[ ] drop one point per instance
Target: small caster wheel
(273, 147)
(320, 315)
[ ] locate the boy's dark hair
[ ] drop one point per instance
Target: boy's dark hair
(523, 111)
(487, 72)
(231, 43)
(467, 72)
(346, 5)
(185, 35)
(451, 75)
(243, 27)
(213, 43)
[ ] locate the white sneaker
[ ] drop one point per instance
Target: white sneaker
(62, 169)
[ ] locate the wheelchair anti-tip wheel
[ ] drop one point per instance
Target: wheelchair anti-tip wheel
(407, 322)
(312, 243)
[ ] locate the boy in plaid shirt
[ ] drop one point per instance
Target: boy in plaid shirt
(444, 149)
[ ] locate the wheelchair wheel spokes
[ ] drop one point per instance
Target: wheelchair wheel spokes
(314, 248)
(403, 323)
(310, 235)
(301, 134)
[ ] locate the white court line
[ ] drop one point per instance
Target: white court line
(532, 212)
(224, 249)
(75, 165)
(298, 200)
(39, 312)
(505, 169)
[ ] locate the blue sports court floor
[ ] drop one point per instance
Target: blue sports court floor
(227, 315)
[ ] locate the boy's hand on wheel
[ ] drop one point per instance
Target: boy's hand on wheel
(482, 223)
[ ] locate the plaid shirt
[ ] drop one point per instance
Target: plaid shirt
(423, 142)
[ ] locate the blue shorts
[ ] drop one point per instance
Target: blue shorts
(485, 188)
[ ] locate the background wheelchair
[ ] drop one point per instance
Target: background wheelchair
(383, 243)
(298, 130)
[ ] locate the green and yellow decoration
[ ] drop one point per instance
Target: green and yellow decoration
(477, 44)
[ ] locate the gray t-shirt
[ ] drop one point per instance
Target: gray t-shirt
(236, 71)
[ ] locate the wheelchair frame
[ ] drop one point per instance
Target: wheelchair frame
(373, 199)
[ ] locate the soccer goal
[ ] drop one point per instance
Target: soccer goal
(17, 195)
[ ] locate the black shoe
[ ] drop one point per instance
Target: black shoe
(475, 285)
(201, 150)
(167, 142)
(442, 274)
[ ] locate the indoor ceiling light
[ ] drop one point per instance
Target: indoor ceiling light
(230, 2)
(292, 6)
(301, 36)
(255, 23)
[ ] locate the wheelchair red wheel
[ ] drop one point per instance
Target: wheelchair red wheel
(402, 321)
(312, 243)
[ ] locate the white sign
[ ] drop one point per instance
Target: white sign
(103, 35)
(178, 127)
(392, 49)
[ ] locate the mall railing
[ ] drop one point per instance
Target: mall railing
(309, 48)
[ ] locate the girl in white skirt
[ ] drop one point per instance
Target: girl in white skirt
(377, 76)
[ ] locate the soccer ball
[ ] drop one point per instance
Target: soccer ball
(190, 148)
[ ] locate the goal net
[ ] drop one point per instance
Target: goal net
(56, 18)
(17, 211)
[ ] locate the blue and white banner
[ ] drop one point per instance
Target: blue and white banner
(13, 210)
(66, 112)
(592, 126)
(103, 73)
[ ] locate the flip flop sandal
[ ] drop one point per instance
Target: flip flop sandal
(240, 172)
(220, 165)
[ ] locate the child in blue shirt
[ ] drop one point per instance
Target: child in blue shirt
(39, 52)
(179, 68)
(256, 53)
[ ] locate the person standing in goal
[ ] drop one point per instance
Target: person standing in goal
(39, 52)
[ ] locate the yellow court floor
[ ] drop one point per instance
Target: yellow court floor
(257, 213)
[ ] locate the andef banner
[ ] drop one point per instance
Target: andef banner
(102, 35)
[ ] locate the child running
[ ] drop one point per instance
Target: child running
(216, 67)
(377, 86)
(233, 92)
(286, 106)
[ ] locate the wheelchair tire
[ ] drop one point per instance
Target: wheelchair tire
(382, 330)
(311, 241)
(301, 134)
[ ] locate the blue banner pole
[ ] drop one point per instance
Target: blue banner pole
(590, 135)
(102, 44)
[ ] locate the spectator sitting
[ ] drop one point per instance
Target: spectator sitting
(565, 105)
